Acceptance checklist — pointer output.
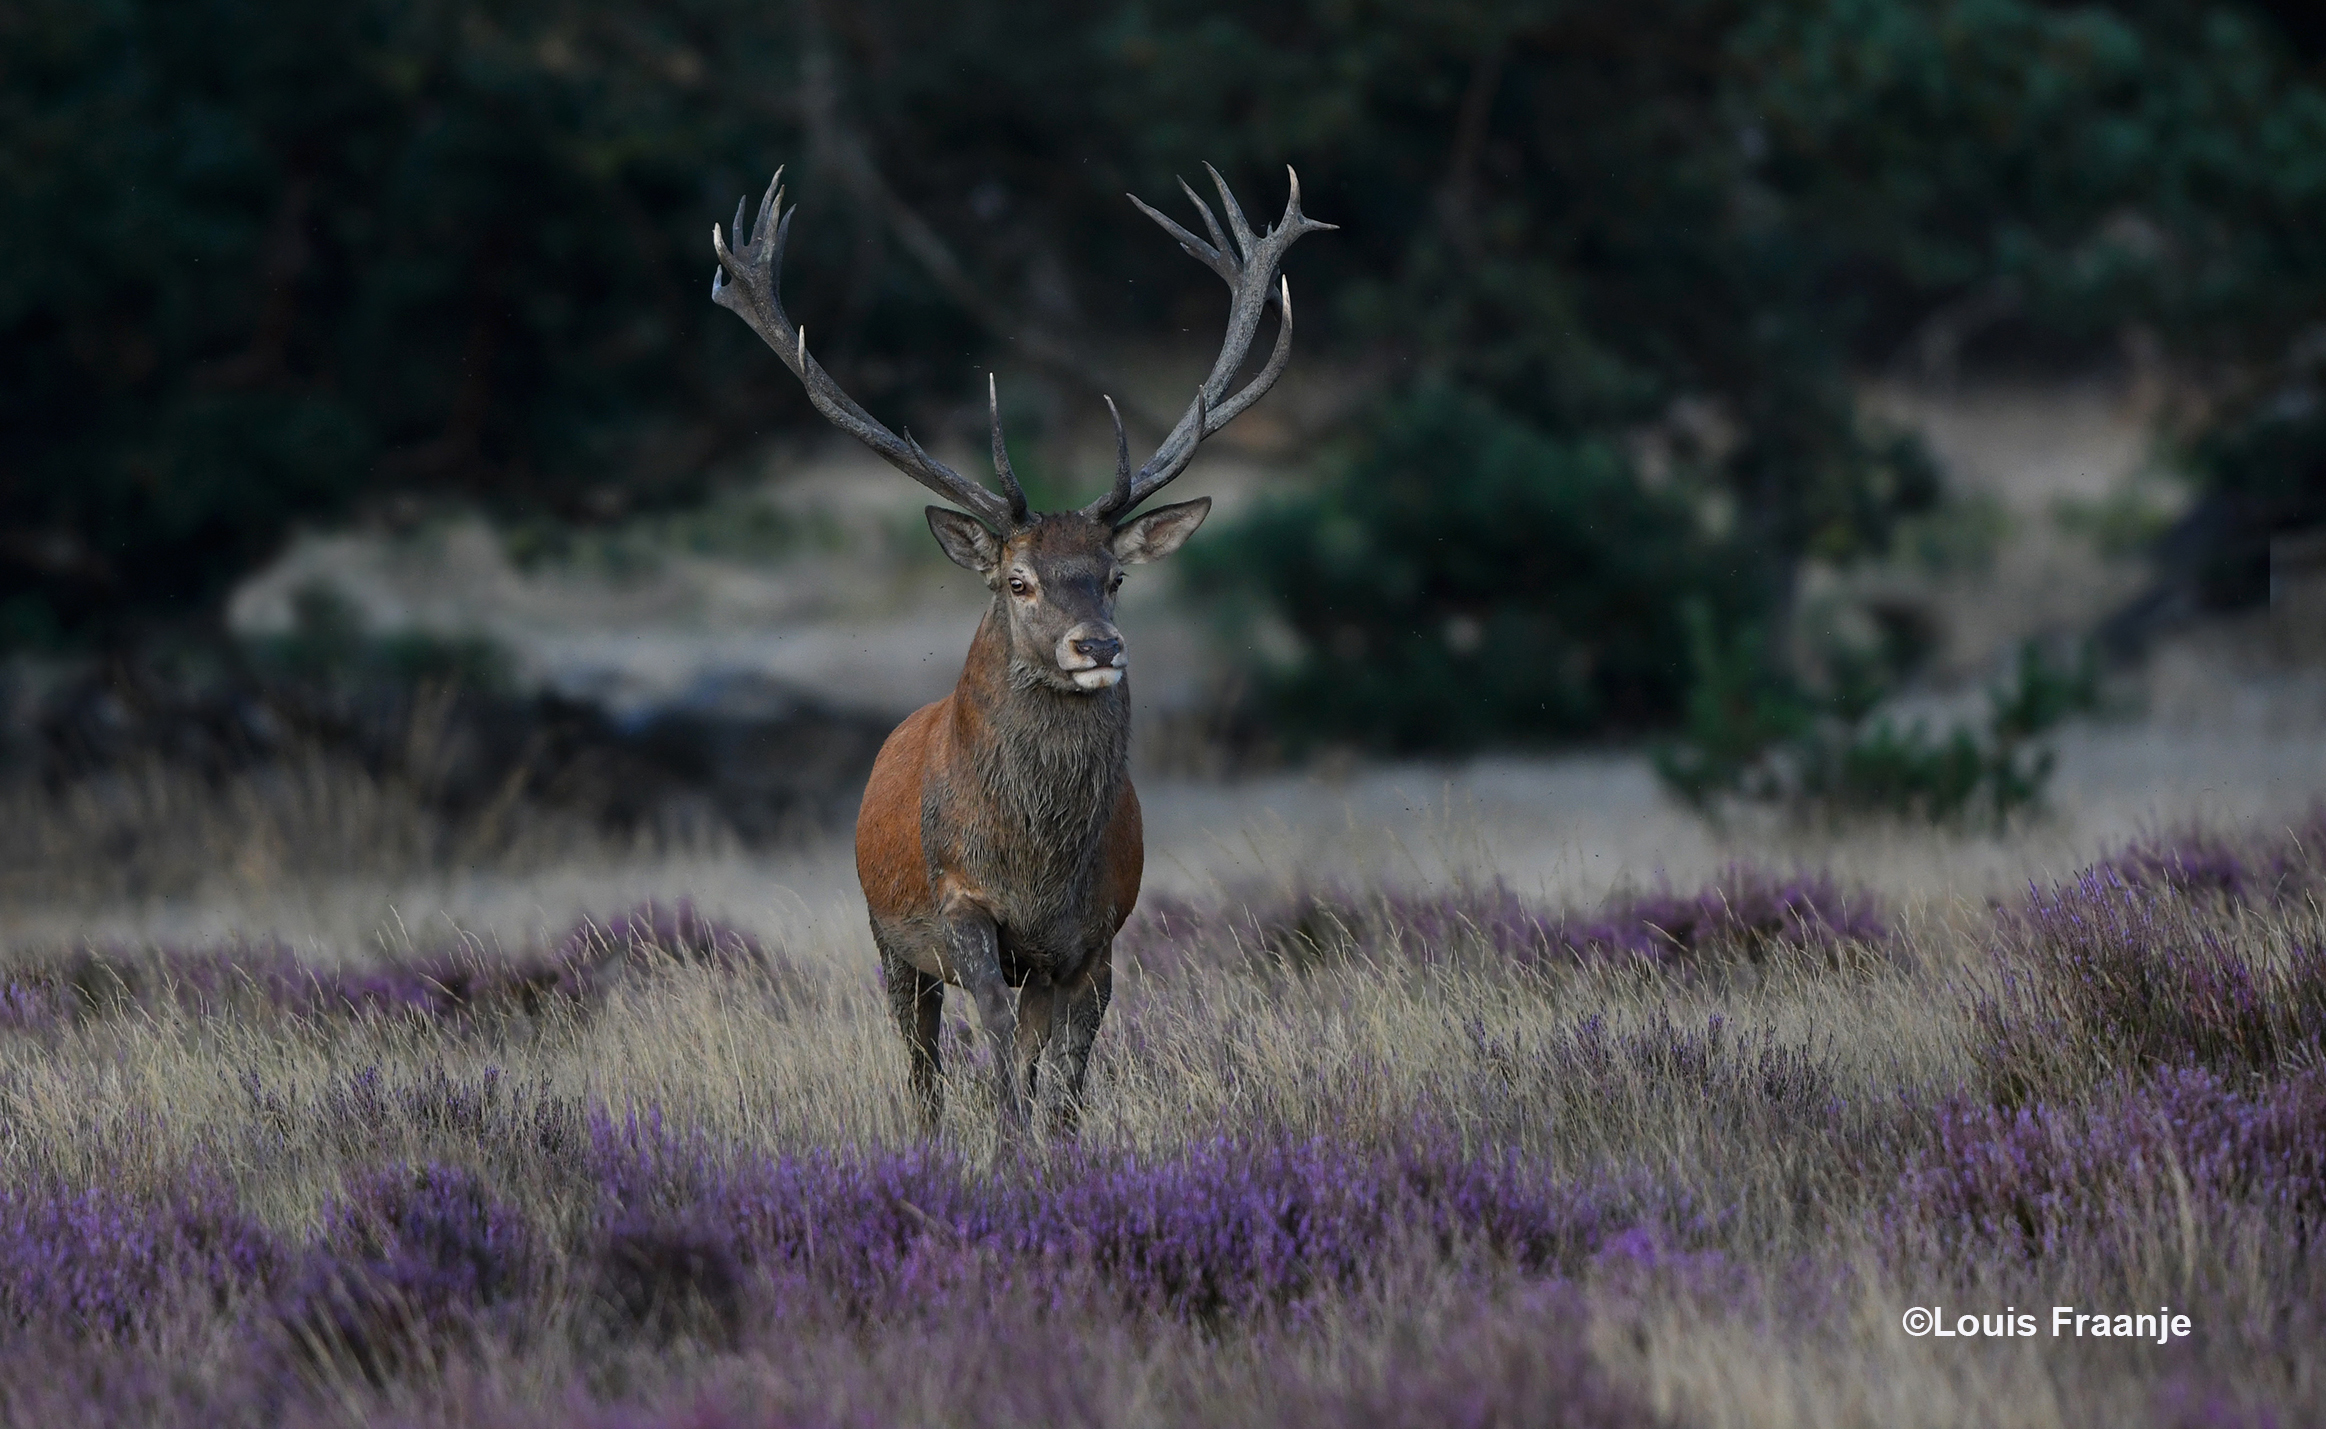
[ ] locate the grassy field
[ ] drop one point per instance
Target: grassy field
(1408, 1118)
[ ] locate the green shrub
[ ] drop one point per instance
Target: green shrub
(330, 646)
(1465, 578)
(1739, 706)
(2261, 473)
(1755, 735)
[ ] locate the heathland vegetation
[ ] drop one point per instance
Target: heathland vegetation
(1353, 1155)
(1415, 1151)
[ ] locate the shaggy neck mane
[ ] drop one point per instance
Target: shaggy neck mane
(1055, 758)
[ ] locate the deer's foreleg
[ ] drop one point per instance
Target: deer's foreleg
(1082, 1006)
(917, 1002)
(973, 949)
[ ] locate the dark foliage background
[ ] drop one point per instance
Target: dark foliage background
(1469, 576)
(264, 263)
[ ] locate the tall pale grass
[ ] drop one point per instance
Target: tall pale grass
(1806, 1098)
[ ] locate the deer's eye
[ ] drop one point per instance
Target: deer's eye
(1115, 584)
(1018, 585)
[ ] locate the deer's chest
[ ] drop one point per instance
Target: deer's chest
(1031, 856)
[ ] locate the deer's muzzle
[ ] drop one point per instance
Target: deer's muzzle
(1092, 653)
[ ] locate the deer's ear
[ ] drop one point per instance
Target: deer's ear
(966, 541)
(1160, 532)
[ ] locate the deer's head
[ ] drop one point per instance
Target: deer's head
(1054, 576)
(1054, 580)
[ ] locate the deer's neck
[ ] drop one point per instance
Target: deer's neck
(1050, 761)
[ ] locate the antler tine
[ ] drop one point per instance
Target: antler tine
(1253, 283)
(748, 283)
(1121, 495)
(1216, 259)
(1292, 214)
(1001, 455)
(770, 203)
(1211, 225)
(782, 238)
(1246, 240)
(1163, 467)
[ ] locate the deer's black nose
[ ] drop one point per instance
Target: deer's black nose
(1101, 649)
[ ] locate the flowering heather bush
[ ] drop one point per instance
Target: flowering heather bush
(2102, 974)
(671, 1280)
(46, 1381)
(1501, 1360)
(1747, 909)
(2034, 1180)
(409, 1261)
(1220, 1228)
(678, 931)
(2270, 870)
(48, 993)
(486, 1111)
(86, 1261)
(1746, 912)
(417, 1265)
(464, 982)
(1524, 1363)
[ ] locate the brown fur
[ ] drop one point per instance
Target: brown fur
(999, 844)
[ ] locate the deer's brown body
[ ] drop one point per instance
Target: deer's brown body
(999, 843)
(1012, 809)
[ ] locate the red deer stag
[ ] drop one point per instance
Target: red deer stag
(999, 842)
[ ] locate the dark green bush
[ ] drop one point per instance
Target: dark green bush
(2262, 473)
(1464, 578)
(1738, 707)
(329, 647)
(1755, 735)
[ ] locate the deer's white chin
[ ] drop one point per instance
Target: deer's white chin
(1104, 679)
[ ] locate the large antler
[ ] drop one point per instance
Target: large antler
(746, 283)
(1249, 269)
